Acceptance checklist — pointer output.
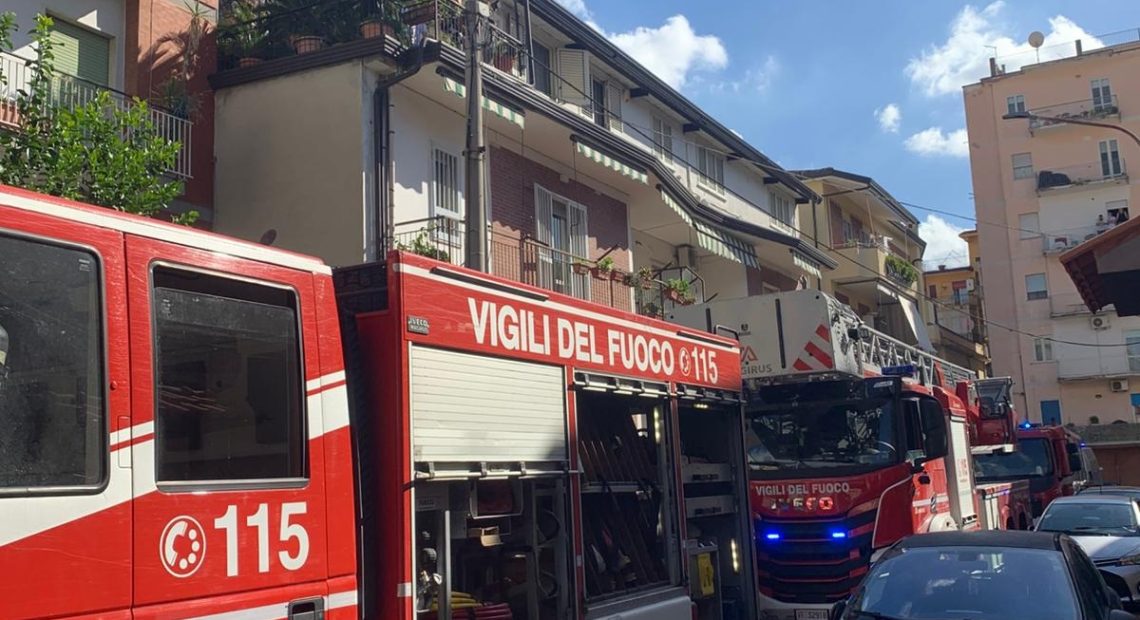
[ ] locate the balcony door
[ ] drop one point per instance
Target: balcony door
(1110, 162)
(561, 229)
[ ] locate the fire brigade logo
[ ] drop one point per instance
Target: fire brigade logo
(748, 355)
(182, 547)
(686, 362)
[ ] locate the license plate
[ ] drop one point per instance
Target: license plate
(811, 614)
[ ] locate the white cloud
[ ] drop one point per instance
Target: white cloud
(943, 245)
(672, 51)
(578, 8)
(975, 36)
(934, 142)
(889, 117)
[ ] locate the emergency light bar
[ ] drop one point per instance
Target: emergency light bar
(904, 370)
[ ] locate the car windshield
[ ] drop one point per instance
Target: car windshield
(968, 583)
(1089, 517)
(852, 432)
(1030, 459)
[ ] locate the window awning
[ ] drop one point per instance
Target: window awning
(599, 157)
(676, 207)
(914, 319)
(805, 263)
(499, 109)
(725, 244)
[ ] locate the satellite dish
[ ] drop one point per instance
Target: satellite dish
(268, 237)
(1036, 39)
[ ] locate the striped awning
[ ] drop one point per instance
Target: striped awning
(494, 107)
(669, 201)
(599, 157)
(725, 244)
(805, 263)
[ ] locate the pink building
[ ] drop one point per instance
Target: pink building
(1040, 187)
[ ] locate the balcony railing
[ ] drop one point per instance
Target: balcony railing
(1087, 109)
(1093, 173)
(69, 92)
(1055, 243)
(1066, 304)
(522, 259)
(254, 31)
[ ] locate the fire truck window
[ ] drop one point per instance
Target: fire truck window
(228, 377)
(51, 371)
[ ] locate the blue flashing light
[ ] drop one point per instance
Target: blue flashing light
(1027, 424)
(772, 536)
(838, 535)
(905, 370)
(1084, 445)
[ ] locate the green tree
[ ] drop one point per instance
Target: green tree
(102, 152)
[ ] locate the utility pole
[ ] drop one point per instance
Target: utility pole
(476, 153)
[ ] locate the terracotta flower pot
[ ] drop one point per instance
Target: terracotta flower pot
(307, 44)
(248, 62)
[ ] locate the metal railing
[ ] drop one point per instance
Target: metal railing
(1056, 242)
(70, 92)
(1082, 174)
(1087, 109)
(254, 31)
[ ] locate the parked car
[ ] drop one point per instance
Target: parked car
(989, 575)
(1107, 527)
(1111, 489)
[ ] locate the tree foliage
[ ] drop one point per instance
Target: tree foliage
(103, 152)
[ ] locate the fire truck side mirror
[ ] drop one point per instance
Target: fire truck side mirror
(1075, 464)
(933, 429)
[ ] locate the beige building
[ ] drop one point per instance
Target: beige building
(1041, 186)
(958, 324)
(875, 242)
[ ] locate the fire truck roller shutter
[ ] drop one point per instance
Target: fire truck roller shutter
(472, 408)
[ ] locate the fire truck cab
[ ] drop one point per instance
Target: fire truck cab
(855, 441)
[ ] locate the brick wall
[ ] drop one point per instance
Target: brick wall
(155, 32)
(513, 178)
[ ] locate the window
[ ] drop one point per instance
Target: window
(1028, 226)
(563, 237)
(446, 197)
(1117, 211)
(961, 294)
(783, 209)
(1023, 165)
(662, 139)
(1101, 95)
(1090, 584)
(1132, 339)
(1015, 104)
(542, 69)
(81, 52)
(228, 380)
(1110, 164)
(1042, 350)
(598, 96)
(1035, 286)
(51, 367)
(710, 164)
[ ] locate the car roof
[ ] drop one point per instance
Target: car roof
(1094, 498)
(986, 538)
(1108, 488)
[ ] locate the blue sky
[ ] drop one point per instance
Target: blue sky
(809, 82)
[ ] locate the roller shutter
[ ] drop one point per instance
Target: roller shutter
(81, 52)
(473, 408)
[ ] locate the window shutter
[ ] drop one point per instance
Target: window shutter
(544, 258)
(574, 87)
(613, 105)
(579, 247)
(81, 53)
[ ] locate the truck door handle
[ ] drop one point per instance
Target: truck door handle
(307, 609)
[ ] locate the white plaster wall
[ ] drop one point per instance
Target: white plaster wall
(105, 16)
(419, 125)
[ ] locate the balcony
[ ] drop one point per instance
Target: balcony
(1088, 110)
(869, 259)
(69, 92)
(1082, 176)
(1084, 363)
(1066, 304)
(252, 32)
(529, 261)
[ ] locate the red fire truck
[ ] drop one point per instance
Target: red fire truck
(1049, 457)
(855, 441)
(179, 440)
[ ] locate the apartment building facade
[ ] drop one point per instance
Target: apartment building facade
(128, 49)
(956, 297)
(602, 181)
(1041, 186)
(874, 240)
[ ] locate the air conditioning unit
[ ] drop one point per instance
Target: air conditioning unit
(1099, 322)
(1118, 385)
(969, 284)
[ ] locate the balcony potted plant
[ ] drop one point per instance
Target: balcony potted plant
(380, 18)
(604, 268)
(241, 34)
(651, 309)
(900, 270)
(645, 278)
(423, 246)
(303, 22)
(679, 291)
(581, 267)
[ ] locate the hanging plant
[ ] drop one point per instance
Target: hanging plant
(604, 268)
(679, 291)
(900, 270)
